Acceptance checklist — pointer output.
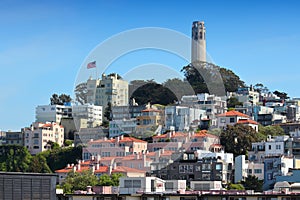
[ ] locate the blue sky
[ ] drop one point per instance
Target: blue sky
(44, 44)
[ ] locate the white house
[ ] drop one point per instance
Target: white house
(133, 185)
(38, 135)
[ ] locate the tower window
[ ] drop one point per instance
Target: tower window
(200, 35)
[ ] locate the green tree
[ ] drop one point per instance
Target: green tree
(107, 112)
(39, 164)
(60, 100)
(281, 95)
(115, 178)
(232, 102)
(179, 87)
(238, 139)
(59, 158)
(232, 186)
(209, 73)
(272, 130)
(68, 142)
(154, 93)
(79, 181)
(14, 158)
(105, 180)
(252, 183)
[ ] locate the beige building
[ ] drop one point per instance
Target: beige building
(120, 146)
(91, 113)
(110, 88)
(38, 135)
(149, 120)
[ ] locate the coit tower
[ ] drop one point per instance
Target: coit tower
(198, 42)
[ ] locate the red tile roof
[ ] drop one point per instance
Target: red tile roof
(233, 113)
(123, 169)
(125, 139)
(174, 135)
(246, 121)
(102, 169)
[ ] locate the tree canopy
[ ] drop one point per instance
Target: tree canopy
(60, 100)
(208, 72)
(252, 183)
(15, 158)
(154, 93)
(59, 158)
(232, 102)
(79, 181)
(238, 139)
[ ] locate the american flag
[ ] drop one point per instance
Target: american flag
(91, 65)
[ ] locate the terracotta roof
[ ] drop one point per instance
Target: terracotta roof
(246, 121)
(151, 110)
(102, 169)
(123, 169)
(177, 134)
(216, 145)
(233, 113)
(165, 153)
(125, 139)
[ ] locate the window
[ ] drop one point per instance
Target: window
(257, 171)
(223, 120)
(197, 168)
(231, 120)
(132, 184)
(269, 176)
(250, 171)
(270, 147)
(186, 169)
(219, 166)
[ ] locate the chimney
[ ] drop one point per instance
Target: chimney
(74, 168)
(78, 167)
(89, 190)
(68, 165)
(98, 158)
(170, 134)
(157, 155)
(122, 137)
(91, 140)
(105, 138)
(93, 169)
(97, 166)
(117, 139)
(137, 156)
(114, 165)
(110, 168)
(162, 151)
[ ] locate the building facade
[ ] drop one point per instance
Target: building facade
(39, 136)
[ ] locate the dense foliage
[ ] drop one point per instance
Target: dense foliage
(80, 180)
(60, 100)
(15, 158)
(199, 75)
(238, 139)
(61, 157)
(252, 183)
(154, 93)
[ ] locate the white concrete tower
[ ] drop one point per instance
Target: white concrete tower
(198, 42)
